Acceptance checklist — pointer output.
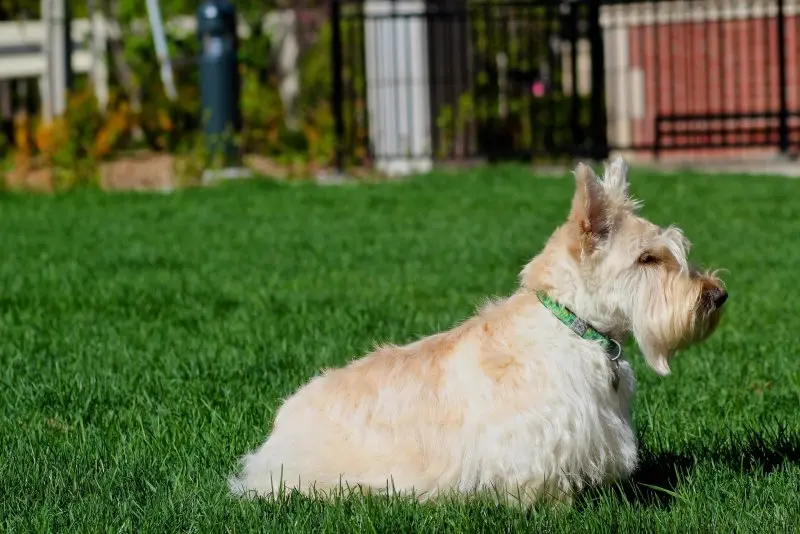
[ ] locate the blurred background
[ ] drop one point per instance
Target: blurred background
(111, 91)
(147, 340)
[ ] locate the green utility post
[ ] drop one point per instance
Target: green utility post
(219, 78)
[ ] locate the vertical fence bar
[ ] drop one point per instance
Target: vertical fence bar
(338, 83)
(769, 136)
(723, 80)
(57, 80)
(783, 125)
(556, 74)
(493, 103)
(599, 118)
(351, 94)
(575, 104)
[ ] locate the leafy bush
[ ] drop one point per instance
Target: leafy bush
(70, 144)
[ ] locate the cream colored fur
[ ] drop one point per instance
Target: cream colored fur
(511, 401)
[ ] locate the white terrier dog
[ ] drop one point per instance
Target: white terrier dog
(531, 397)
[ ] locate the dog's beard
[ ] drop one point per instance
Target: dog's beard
(669, 317)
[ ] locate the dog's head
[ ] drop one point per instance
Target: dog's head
(624, 274)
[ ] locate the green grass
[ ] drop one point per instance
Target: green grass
(145, 342)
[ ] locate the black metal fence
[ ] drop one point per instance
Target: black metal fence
(710, 78)
(449, 79)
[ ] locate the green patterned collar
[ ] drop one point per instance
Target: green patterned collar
(580, 327)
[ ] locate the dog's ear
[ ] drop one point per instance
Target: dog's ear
(615, 181)
(590, 208)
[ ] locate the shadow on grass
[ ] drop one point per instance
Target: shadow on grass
(656, 483)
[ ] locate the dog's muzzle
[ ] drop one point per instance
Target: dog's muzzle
(714, 299)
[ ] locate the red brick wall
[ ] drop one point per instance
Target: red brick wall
(728, 66)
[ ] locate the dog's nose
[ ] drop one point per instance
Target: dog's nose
(717, 296)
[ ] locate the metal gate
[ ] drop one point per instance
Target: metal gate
(417, 81)
(422, 80)
(703, 79)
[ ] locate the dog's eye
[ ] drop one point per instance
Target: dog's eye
(647, 259)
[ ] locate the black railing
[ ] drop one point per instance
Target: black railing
(712, 77)
(449, 79)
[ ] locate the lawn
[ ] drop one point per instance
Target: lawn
(146, 341)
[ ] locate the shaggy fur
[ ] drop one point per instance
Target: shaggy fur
(510, 401)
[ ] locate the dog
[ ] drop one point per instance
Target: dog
(528, 400)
